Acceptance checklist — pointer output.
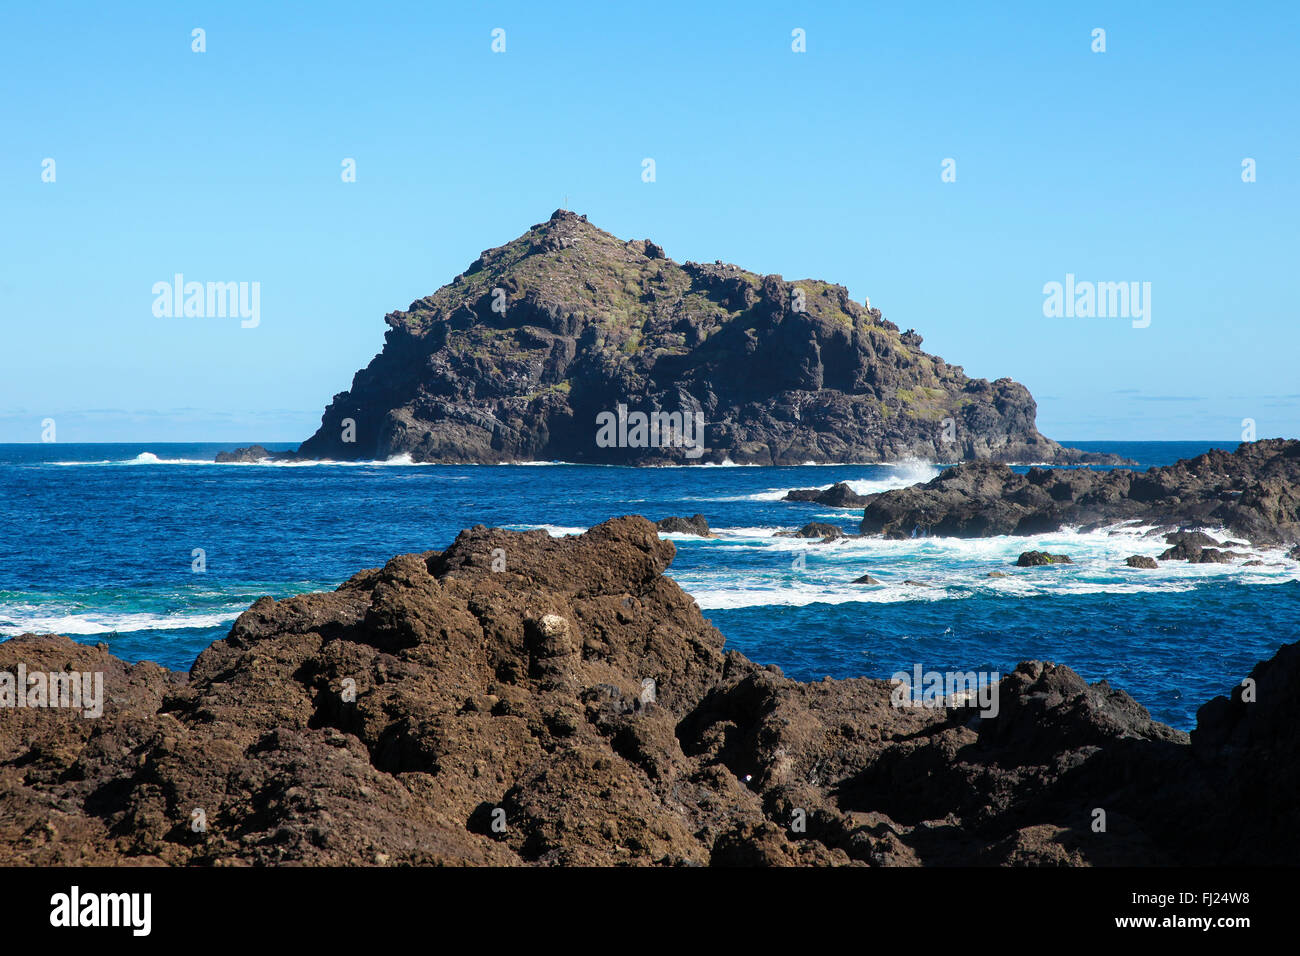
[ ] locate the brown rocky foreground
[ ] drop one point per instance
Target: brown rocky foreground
(519, 697)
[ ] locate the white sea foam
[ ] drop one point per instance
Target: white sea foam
(903, 474)
(746, 533)
(956, 568)
(12, 624)
(149, 458)
(772, 494)
(554, 530)
(802, 595)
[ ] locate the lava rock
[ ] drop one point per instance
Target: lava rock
(1197, 539)
(1215, 556)
(1033, 559)
(251, 454)
(813, 529)
(1254, 491)
(696, 525)
(1183, 551)
(838, 495)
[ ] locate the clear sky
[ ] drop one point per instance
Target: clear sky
(226, 166)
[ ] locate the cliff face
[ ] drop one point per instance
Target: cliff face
(522, 699)
(519, 357)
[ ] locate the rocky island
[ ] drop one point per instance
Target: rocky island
(572, 706)
(521, 357)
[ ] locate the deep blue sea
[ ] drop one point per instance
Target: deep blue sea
(98, 542)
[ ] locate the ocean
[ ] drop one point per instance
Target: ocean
(101, 543)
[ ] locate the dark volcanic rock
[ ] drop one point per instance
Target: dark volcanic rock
(1254, 491)
(1183, 551)
(1193, 539)
(579, 698)
(1141, 561)
(696, 524)
(253, 453)
(865, 579)
(1249, 741)
(1034, 559)
(813, 529)
(1193, 553)
(838, 495)
(518, 356)
(1215, 556)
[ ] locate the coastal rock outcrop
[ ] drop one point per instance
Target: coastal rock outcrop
(813, 529)
(696, 524)
(571, 344)
(252, 455)
(574, 707)
(1035, 559)
(1253, 491)
(838, 495)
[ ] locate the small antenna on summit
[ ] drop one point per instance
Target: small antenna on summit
(565, 207)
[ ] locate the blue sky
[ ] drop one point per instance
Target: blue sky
(225, 165)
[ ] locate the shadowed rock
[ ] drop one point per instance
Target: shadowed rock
(838, 495)
(696, 525)
(1191, 539)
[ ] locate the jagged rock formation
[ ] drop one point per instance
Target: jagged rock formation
(517, 358)
(1253, 492)
(838, 495)
(575, 708)
(696, 524)
(252, 455)
(813, 529)
(1036, 559)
